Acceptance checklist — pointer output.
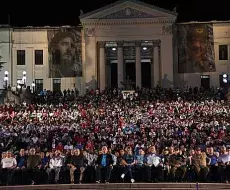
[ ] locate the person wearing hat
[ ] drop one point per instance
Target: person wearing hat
(197, 58)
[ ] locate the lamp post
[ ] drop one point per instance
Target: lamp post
(6, 78)
(24, 77)
(33, 86)
(19, 86)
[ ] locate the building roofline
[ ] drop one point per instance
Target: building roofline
(5, 26)
(206, 22)
(44, 27)
(122, 1)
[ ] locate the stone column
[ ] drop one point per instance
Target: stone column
(102, 66)
(155, 70)
(228, 64)
(120, 64)
(138, 64)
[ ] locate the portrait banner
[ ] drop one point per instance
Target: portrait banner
(195, 48)
(64, 47)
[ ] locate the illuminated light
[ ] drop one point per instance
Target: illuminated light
(24, 78)
(225, 80)
(224, 75)
(24, 72)
(114, 49)
(6, 73)
(144, 48)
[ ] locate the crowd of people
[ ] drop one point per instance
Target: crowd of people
(149, 135)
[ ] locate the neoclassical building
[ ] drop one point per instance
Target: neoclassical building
(127, 42)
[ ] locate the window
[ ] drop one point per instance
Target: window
(38, 57)
(21, 57)
(57, 85)
(38, 85)
(223, 52)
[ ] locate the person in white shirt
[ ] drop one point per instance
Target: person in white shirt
(154, 166)
(224, 167)
(8, 164)
(68, 146)
(55, 165)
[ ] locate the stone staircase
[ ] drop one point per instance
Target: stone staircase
(125, 186)
(10, 97)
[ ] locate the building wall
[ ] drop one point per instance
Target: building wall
(30, 40)
(5, 52)
(221, 33)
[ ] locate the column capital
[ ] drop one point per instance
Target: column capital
(138, 43)
(101, 44)
(156, 43)
(120, 44)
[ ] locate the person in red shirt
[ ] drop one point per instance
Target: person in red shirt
(60, 147)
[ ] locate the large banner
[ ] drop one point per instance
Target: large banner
(196, 48)
(65, 52)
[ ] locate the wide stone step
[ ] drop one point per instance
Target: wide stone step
(125, 186)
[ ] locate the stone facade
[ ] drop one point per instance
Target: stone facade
(121, 33)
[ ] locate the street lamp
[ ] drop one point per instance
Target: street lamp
(18, 84)
(225, 78)
(33, 86)
(24, 77)
(6, 78)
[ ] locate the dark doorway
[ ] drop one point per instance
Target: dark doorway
(130, 72)
(205, 81)
(113, 75)
(56, 85)
(146, 74)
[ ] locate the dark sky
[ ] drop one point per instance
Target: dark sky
(41, 13)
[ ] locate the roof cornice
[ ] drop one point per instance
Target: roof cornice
(127, 21)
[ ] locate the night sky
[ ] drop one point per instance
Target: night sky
(54, 13)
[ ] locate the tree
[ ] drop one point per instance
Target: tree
(1, 63)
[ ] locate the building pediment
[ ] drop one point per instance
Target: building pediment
(128, 13)
(127, 9)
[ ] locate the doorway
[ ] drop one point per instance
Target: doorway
(146, 74)
(113, 75)
(205, 81)
(130, 71)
